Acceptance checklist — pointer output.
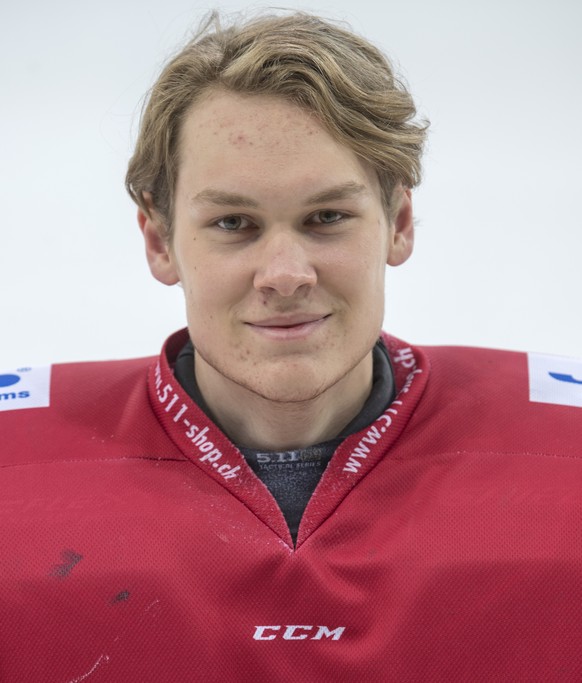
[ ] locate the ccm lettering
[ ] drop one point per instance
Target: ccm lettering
(196, 435)
(298, 632)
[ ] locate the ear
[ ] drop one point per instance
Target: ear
(158, 251)
(402, 229)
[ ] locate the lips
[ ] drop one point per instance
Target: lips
(289, 328)
(288, 321)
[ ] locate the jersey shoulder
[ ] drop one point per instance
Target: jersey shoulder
(76, 411)
(526, 402)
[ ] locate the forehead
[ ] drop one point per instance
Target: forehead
(248, 119)
(262, 140)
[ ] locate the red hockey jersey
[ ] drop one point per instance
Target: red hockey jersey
(443, 542)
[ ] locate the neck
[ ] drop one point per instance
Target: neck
(254, 421)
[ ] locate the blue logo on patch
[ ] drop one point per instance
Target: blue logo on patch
(565, 378)
(9, 380)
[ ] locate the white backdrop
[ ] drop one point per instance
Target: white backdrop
(499, 238)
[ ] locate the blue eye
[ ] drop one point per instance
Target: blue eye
(327, 217)
(232, 223)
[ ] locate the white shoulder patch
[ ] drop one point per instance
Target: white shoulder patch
(25, 388)
(555, 379)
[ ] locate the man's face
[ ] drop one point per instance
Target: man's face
(280, 241)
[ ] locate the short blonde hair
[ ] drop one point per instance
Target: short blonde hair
(324, 68)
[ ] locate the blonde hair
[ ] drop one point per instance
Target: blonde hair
(328, 70)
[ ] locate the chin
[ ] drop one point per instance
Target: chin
(286, 390)
(280, 381)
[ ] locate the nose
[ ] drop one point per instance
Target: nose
(284, 265)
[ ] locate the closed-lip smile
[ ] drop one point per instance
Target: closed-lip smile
(286, 321)
(289, 328)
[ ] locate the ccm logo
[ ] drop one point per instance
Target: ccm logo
(298, 632)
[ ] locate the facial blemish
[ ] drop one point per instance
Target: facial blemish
(237, 139)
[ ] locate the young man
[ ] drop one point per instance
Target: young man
(287, 493)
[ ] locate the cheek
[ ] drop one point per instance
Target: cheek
(211, 289)
(365, 268)
(367, 285)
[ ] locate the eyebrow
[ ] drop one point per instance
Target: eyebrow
(331, 194)
(334, 194)
(220, 198)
